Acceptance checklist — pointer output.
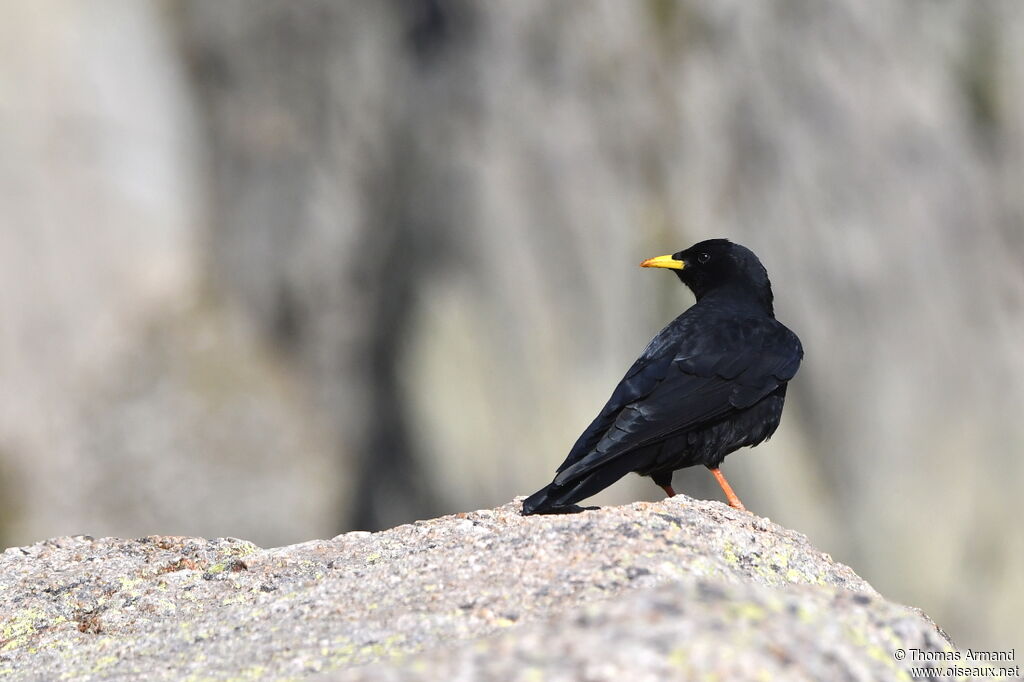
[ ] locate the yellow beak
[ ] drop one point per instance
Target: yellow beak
(663, 262)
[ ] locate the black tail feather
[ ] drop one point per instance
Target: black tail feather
(539, 502)
(562, 498)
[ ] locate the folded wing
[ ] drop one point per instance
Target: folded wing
(686, 378)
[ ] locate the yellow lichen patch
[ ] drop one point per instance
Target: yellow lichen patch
(533, 674)
(679, 658)
(804, 614)
(23, 624)
(240, 549)
(780, 558)
(237, 598)
(342, 653)
(165, 606)
(129, 584)
(856, 636)
(860, 639)
(773, 602)
(670, 568)
(253, 672)
(747, 611)
(703, 567)
(384, 649)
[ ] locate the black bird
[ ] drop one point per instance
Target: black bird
(711, 382)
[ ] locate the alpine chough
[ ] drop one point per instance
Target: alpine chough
(711, 382)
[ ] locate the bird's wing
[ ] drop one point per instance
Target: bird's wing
(647, 372)
(707, 370)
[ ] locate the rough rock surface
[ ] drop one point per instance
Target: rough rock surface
(659, 590)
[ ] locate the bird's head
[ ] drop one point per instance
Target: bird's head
(718, 265)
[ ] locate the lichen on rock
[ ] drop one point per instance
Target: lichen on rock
(649, 590)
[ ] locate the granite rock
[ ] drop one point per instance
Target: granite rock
(661, 590)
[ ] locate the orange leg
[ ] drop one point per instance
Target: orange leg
(734, 501)
(668, 490)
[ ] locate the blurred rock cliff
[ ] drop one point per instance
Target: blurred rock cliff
(277, 270)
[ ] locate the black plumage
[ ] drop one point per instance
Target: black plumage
(714, 380)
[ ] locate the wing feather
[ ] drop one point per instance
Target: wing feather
(690, 379)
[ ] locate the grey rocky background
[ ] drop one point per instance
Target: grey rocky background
(679, 589)
(276, 270)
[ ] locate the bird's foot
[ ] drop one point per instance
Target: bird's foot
(730, 495)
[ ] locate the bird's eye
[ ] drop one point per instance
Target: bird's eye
(703, 257)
